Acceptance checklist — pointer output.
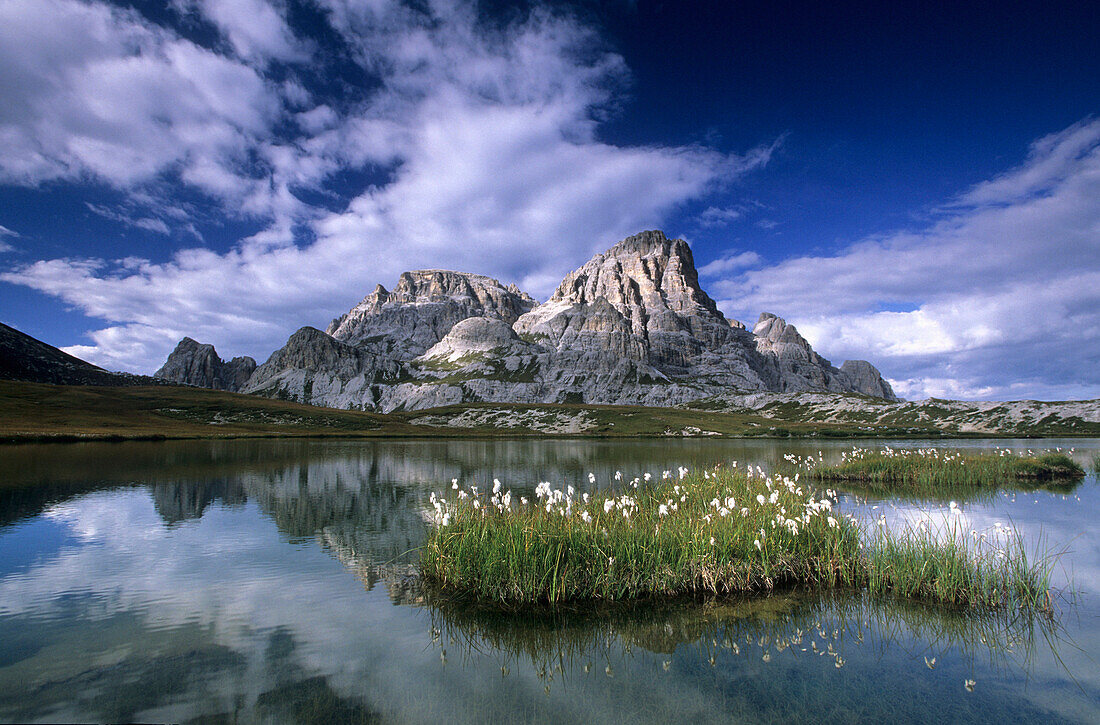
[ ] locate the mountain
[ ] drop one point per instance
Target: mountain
(632, 326)
(193, 363)
(422, 308)
(27, 359)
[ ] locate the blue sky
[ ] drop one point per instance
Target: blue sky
(917, 189)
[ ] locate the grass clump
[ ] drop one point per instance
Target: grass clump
(721, 532)
(932, 467)
(958, 569)
(724, 531)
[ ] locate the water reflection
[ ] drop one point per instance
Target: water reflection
(273, 580)
(773, 641)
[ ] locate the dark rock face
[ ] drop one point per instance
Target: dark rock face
(193, 363)
(313, 367)
(24, 358)
(631, 326)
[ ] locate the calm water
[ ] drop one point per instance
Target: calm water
(247, 581)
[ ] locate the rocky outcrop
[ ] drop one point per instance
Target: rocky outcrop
(645, 287)
(194, 363)
(864, 378)
(476, 335)
(799, 367)
(631, 326)
(422, 308)
(313, 367)
(640, 302)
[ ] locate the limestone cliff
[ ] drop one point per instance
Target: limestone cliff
(864, 378)
(193, 363)
(315, 368)
(422, 308)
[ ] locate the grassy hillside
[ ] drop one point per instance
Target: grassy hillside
(31, 411)
(622, 420)
(34, 411)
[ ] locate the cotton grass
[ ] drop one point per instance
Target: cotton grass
(717, 531)
(912, 469)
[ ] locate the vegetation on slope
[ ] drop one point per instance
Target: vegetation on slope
(31, 411)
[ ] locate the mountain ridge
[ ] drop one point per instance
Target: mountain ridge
(27, 359)
(631, 326)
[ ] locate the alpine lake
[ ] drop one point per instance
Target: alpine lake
(275, 581)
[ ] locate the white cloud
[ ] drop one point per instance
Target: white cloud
(97, 92)
(147, 223)
(729, 262)
(5, 232)
(494, 166)
(998, 299)
(714, 216)
(256, 29)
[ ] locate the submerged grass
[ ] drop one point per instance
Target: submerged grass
(792, 624)
(931, 468)
(721, 531)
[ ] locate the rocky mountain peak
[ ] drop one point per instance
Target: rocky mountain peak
(651, 242)
(774, 335)
(772, 330)
(422, 308)
(648, 271)
(866, 379)
(195, 363)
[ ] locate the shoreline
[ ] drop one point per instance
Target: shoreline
(503, 433)
(45, 413)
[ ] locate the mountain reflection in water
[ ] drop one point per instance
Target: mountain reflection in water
(275, 580)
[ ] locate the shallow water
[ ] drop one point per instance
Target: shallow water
(270, 581)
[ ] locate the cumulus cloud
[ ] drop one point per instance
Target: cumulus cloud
(96, 91)
(484, 140)
(998, 298)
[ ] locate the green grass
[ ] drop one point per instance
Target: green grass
(929, 468)
(33, 411)
(957, 570)
(716, 532)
